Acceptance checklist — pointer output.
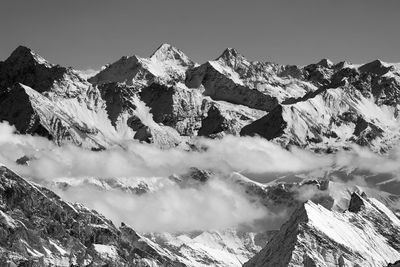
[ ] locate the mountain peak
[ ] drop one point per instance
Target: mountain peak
(167, 52)
(231, 56)
(377, 67)
(230, 53)
(24, 54)
(325, 63)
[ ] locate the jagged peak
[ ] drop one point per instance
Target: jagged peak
(166, 52)
(23, 54)
(325, 63)
(230, 52)
(231, 56)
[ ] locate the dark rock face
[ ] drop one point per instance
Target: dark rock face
(37, 228)
(118, 99)
(160, 99)
(16, 109)
(376, 67)
(173, 106)
(366, 132)
(144, 134)
(26, 67)
(269, 126)
(23, 67)
(220, 87)
(356, 203)
(214, 123)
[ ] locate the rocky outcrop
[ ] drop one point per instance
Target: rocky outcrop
(270, 126)
(37, 228)
(175, 106)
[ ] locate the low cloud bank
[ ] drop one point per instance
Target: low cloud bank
(217, 204)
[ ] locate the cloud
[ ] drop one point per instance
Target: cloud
(88, 73)
(216, 204)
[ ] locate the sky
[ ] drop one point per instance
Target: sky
(88, 34)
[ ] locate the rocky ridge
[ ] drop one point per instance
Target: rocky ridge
(322, 106)
(315, 236)
(40, 229)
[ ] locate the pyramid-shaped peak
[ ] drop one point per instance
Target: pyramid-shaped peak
(230, 53)
(167, 52)
(24, 54)
(231, 57)
(22, 50)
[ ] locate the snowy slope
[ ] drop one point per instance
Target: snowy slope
(322, 106)
(229, 247)
(315, 236)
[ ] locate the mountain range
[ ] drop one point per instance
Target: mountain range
(169, 101)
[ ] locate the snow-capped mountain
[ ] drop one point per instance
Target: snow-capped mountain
(166, 65)
(169, 100)
(322, 106)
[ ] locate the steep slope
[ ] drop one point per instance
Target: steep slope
(364, 235)
(233, 78)
(40, 98)
(222, 82)
(27, 67)
(40, 229)
(62, 106)
(55, 82)
(234, 246)
(354, 105)
(321, 106)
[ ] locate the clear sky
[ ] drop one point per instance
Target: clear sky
(90, 33)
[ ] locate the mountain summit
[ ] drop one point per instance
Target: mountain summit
(321, 106)
(167, 52)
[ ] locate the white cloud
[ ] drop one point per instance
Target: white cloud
(217, 204)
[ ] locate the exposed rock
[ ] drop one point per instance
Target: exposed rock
(356, 203)
(270, 126)
(322, 106)
(219, 86)
(16, 108)
(39, 229)
(175, 106)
